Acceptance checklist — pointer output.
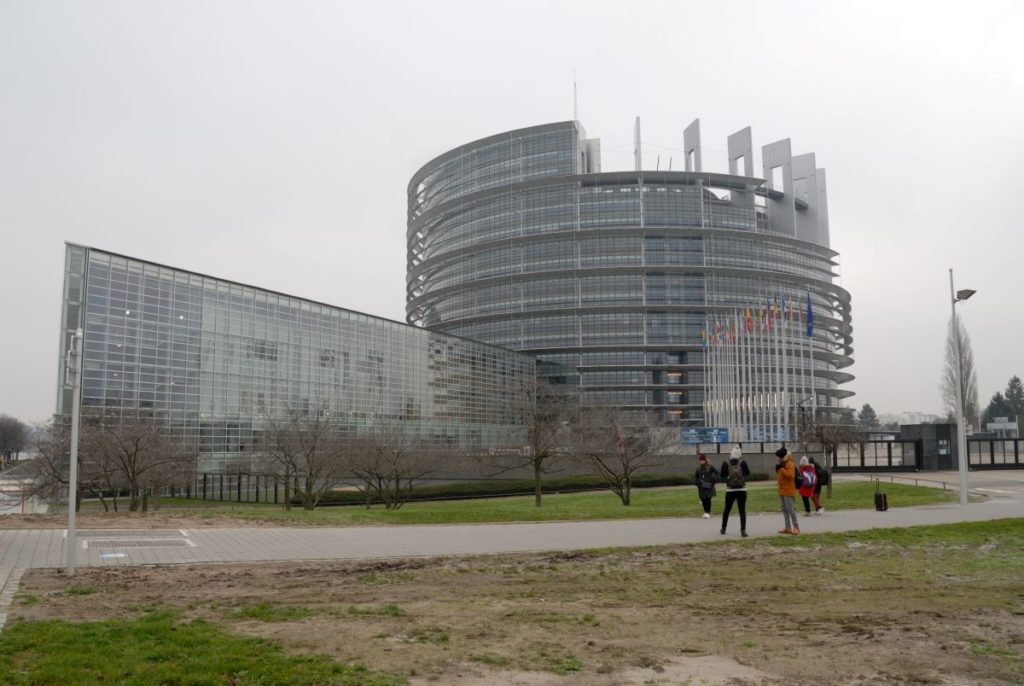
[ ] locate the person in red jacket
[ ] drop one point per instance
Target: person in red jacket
(785, 474)
(810, 486)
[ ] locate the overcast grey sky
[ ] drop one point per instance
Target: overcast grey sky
(271, 143)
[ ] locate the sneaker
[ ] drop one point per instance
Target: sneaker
(787, 530)
(795, 532)
(706, 516)
(743, 534)
(821, 511)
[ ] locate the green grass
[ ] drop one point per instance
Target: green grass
(1001, 535)
(647, 503)
(267, 612)
(158, 649)
(558, 661)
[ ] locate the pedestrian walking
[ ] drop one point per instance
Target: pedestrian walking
(824, 479)
(810, 486)
(705, 479)
(785, 475)
(735, 472)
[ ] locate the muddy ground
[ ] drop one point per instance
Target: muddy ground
(728, 613)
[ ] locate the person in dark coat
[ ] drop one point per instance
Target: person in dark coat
(705, 478)
(823, 480)
(735, 473)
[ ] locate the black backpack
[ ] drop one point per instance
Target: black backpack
(735, 478)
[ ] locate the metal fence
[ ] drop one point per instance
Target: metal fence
(999, 453)
(874, 455)
(239, 488)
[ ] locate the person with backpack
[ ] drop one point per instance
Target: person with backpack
(785, 475)
(809, 487)
(705, 478)
(735, 472)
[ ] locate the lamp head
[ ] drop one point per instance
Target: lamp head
(964, 294)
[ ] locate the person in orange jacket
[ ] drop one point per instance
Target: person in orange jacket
(785, 474)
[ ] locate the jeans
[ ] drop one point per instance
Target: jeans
(740, 498)
(788, 511)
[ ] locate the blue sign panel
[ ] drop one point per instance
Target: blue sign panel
(693, 436)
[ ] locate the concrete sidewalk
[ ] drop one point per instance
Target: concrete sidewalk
(23, 549)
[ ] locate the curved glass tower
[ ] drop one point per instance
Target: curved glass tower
(683, 295)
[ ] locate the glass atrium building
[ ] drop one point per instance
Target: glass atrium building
(215, 359)
(618, 280)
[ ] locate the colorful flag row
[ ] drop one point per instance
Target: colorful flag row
(767, 315)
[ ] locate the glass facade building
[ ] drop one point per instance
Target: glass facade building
(217, 359)
(610, 278)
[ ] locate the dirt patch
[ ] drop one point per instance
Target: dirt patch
(707, 614)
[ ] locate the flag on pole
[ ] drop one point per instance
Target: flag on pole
(810, 316)
(750, 321)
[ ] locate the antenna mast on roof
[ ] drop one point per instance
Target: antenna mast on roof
(575, 108)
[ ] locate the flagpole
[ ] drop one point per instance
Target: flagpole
(787, 356)
(810, 350)
(762, 381)
(748, 393)
(706, 365)
(778, 372)
(735, 374)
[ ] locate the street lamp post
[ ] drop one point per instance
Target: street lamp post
(74, 379)
(961, 432)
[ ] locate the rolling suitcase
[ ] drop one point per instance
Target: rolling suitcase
(881, 501)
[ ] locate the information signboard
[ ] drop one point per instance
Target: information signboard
(704, 434)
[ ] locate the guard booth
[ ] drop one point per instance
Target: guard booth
(937, 445)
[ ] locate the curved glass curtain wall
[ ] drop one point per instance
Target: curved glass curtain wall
(610, 278)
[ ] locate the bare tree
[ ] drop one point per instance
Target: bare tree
(115, 455)
(387, 465)
(14, 435)
(49, 470)
(959, 365)
(137, 452)
(547, 415)
(308, 448)
(618, 449)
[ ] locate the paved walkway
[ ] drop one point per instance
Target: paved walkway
(23, 549)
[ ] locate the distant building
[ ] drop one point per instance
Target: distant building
(611, 277)
(1002, 427)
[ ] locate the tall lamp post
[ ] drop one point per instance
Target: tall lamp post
(73, 379)
(961, 432)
